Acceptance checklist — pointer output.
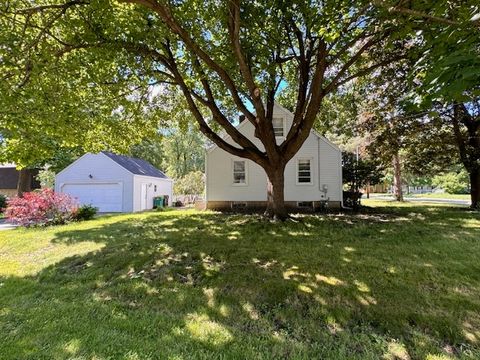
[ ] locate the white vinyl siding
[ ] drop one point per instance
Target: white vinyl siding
(304, 171)
(154, 187)
(239, 172)
(278, 126)
(330, 171)
(325, 169)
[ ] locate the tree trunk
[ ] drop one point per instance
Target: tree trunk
(24, 181)
(468, 147)
(475, 188)
(397, 178)
(368, 189)
(276, 194)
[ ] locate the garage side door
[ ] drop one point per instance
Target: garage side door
(106, 197)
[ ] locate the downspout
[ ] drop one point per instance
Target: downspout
(319, 182)
(206, 179)
(321, 187)
(341, 179)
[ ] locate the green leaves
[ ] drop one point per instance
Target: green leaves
(81, 75)
(449, 55)
(66, 87)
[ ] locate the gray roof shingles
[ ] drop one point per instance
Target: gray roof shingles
(136, 166)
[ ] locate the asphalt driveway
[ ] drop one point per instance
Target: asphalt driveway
(4, 225)
(424, 199)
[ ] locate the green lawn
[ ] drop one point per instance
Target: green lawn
(395, 282)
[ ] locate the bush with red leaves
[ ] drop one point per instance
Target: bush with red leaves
(41, 208)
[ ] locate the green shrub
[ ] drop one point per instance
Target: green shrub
(85, 212)
(452, 182)
(3, 202)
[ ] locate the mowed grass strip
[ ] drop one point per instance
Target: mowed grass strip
(392, 282)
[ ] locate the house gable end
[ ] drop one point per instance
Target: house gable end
(288, 119)
(85, 157)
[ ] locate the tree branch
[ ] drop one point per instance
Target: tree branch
(249, 152)
(350, 62)
(423, 15)
(367, 70)
(220, 118)
(165, 14)
(304, 70)
(234, 32)
(301, 129)
(42, 8)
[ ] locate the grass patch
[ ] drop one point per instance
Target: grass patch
(395, 282)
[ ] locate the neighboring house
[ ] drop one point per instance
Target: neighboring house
(113, 183)
(9, 180)
(312, 176)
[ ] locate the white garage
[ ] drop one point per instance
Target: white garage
(114, 183)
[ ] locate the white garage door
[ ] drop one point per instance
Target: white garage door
(106, 197)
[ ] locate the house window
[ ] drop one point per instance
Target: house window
(239, 172)
(277, 126)
(155, 188)
(304, 171)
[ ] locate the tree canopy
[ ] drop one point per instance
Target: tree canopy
(85, 70)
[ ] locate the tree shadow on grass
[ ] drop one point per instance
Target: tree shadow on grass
(205, 285)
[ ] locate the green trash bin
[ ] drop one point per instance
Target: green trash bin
(158, 202)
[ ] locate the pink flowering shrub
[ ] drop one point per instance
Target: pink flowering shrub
(44, 207)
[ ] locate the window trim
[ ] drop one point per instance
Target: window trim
(283, 126)
(246, 173)
(311, 171)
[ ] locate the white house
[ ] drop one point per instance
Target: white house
(113, 183)
(312, 176)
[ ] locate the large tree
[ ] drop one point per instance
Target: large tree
(235, 53)
(447, 75)
(465, 121)
(175, 151)
(179, 147)
(223, 56)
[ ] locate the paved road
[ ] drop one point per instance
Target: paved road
(425, 199)
(6, 226)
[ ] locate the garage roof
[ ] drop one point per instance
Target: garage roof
(136, 166)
